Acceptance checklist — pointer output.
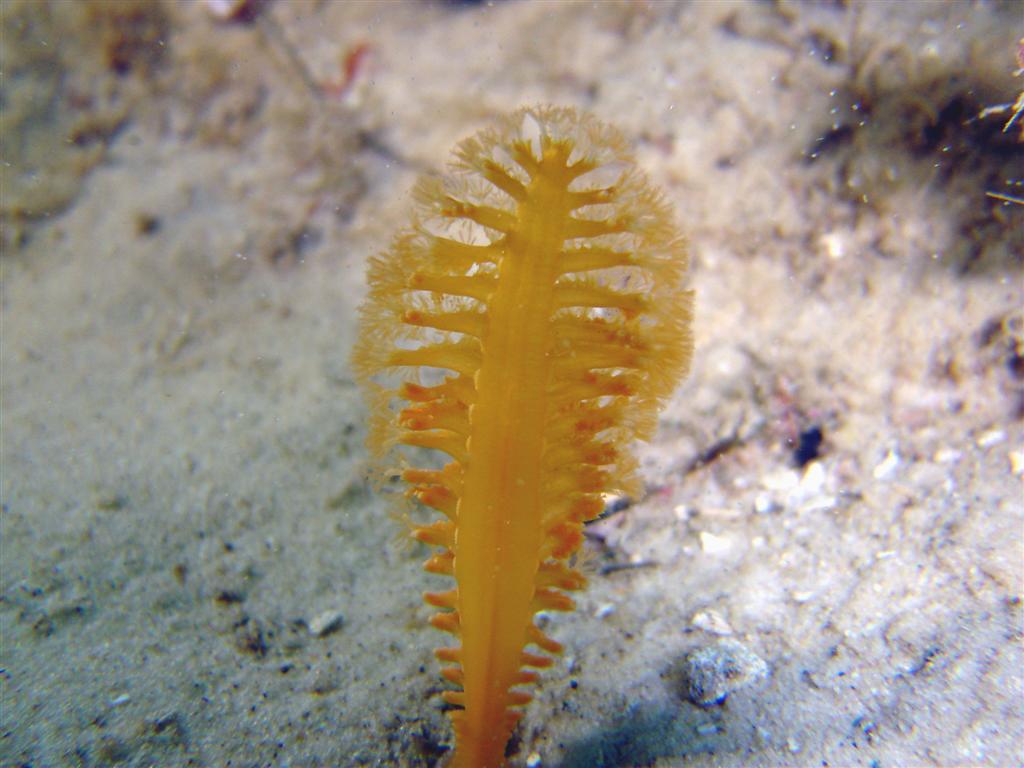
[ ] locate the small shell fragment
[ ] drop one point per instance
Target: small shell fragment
(712, 622)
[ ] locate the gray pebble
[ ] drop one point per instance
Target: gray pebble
(715, 671)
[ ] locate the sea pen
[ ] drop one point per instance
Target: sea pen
(531, 320)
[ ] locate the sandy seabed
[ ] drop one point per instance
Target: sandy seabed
(193, 570)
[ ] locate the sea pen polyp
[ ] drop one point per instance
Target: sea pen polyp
(527, 326)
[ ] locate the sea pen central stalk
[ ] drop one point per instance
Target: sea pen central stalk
(497, 546)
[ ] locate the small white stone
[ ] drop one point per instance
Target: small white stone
(990, 438)
(714, 545)
(604, 610)
(783, 480)
(1016, 461)
(821, 503)
(727, 365)
(834, 244)
(225, 9)
(764, 503)
(887, 466)
(682, 512)
(533, 761)
(706, 729)
(117, 701)
(813, 481)
(947, 456)
(325, 623)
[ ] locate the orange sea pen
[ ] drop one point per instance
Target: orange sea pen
(534, 317)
